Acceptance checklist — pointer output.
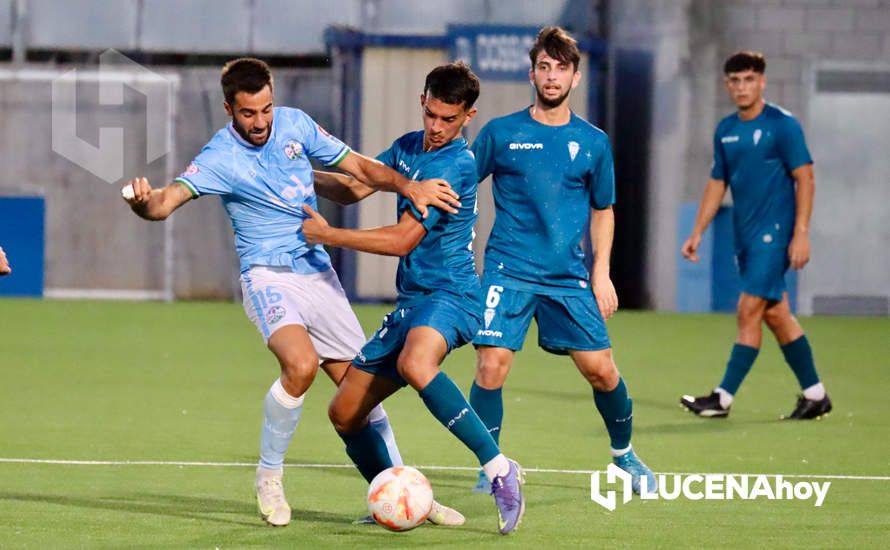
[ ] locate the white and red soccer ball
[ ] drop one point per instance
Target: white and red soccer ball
(400, 498)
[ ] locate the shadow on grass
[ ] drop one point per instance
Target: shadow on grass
(205, 509)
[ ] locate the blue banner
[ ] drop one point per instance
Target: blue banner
(493, 52)
(22, 238)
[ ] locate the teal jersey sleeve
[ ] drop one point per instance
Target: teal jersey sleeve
(446, 171)
(718, 166)
(388, 157)
(602, 180)
(483, 151)
(791, 144)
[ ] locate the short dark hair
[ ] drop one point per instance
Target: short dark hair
(245, 74)
(453, 83)
(558, 44)
(745, 60)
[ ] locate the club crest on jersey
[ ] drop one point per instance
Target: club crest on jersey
(489, 317)
(757, 134)
(573, 149)
(275, 314)
(292, 150)
(191, 169)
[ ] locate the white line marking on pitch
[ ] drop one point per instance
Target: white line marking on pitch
(331, 466)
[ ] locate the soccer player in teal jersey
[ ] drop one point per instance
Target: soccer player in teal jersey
(546, 163)
(761, 155)
(438, 293)
(261, 171)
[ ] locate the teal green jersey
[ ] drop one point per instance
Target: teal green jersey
(444, 258)
(545, 180)
(756, 158)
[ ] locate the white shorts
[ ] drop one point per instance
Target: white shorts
(275, 297)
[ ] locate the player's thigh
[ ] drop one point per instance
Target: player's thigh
(335, 370)
(506, 316)
(332, 324)
(455, 318)
(424, 349)
(380, 354)
(762, 270)
(358, 393)
(571, 323)
(270, 302)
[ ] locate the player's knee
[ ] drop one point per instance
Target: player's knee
(298, 371)
(748, 316)
(601, 372)
(492, 367)
(776, 316)
(416, 370)
(343, 421)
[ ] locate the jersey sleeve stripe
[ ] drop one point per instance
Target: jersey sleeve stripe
(188, 185)
(340, 157)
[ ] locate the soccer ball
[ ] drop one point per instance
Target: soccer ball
(400, 498)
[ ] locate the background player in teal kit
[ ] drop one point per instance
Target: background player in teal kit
(546, 162)
(291, 293)
(761, 154)
(438, 293)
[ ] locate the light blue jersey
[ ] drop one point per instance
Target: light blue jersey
(263, 189)
(756, 158)
(545, 180)
(444, 258)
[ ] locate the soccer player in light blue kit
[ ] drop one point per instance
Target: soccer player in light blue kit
(546, 164)
(262, 173)
(761, 155)
(438, 293)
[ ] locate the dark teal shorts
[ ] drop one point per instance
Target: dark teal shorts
(565, 323)
(451, 316)
(762, 267)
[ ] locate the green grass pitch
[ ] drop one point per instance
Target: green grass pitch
(184, 382)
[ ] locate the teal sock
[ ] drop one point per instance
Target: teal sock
(616, 408)
(489, 405)
(445, 400)
(367, 450)
(799, 357)
(740, 361)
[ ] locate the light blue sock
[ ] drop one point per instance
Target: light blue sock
(445, 400)
(281, 413)
(379, 420)
(489, 405)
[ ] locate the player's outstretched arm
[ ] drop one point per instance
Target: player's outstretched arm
(340, 188)
(155, 204)
(375, 174)
(5, 269)
(602, 233)
(799, 248)
(391, 240)
(707, 209)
